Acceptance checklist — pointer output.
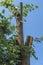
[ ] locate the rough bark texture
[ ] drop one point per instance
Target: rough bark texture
(20, 38)
(1, 31)
(29, 40)
(26, 61)
(28, 43)
(19, 28)
(19, 24)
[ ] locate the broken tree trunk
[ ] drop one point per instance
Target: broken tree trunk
(19, 26)
(28, 43)
(20, 38)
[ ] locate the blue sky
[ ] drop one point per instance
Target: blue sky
(34, 27)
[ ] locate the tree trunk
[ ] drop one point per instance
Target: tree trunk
(19, 24)
(1, 31)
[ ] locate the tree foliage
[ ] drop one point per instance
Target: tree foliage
(9, 50)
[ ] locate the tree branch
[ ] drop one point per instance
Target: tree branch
(29, 40)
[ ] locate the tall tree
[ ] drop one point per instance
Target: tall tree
(14, 50)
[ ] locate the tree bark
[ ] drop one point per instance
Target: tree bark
(1, 31)
(20, 37)
(19, 24)
(28, 43)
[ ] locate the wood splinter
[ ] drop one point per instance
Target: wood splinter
(29, 40)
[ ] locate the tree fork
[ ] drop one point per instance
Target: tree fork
(19, 24)
(28, 43)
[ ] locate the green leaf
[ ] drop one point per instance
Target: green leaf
(24, 19)
(36, 6)
(3, 11)
(7, 2)
(32, 8)
(10, 9)
(11, 0)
